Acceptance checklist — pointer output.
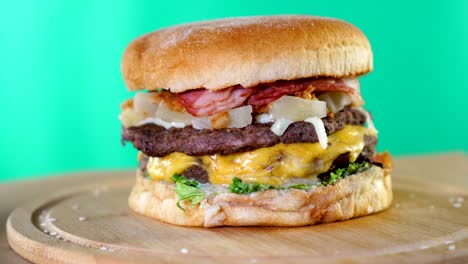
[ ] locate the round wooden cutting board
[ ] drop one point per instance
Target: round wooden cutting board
(93, 224)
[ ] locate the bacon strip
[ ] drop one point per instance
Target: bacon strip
(204, 102)
(278, 89)
(270, 94)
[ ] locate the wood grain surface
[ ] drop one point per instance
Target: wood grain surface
(87, 221)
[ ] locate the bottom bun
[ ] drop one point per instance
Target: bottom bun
(356, 195)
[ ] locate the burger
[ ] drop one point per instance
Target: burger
(253, 121)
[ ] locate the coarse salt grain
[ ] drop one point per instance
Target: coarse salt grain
(446, 242)
(103, 248)
(53, 233)
(451, 247)
(457, 205)
(183, 250)
(81, 218)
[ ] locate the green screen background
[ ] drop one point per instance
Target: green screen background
(60, 82)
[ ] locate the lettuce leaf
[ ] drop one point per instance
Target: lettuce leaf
(239, 187)
(187, 190)
(340, 173)
(302, 186)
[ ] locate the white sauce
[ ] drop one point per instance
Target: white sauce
(264, 118)
(320, 130)
(280, 126)
(160, 122)
(370, 123)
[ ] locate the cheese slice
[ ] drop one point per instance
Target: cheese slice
(270, 165)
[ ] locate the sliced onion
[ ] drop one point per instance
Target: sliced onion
(320, 130)
(352, 83)
(280, 126)
(355, 97)
(264, 118)
(297, 109)
(240, 116)
(143, 103)
(168, 115)
(336, 101)
(130, 118)
(370, 123)
(201, 123)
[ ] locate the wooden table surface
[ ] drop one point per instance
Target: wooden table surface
(449, 169)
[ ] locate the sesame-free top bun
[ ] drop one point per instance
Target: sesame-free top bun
(246, 51)
(356, 195)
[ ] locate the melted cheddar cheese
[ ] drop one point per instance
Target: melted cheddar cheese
(271, 165)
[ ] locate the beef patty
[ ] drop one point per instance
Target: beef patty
(156, 141)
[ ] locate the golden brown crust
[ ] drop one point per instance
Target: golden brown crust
(361, 194)
(246, 51)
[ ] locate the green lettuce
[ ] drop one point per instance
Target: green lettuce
(187, 190)
(302, 186)
(239, 187)
(340, 173)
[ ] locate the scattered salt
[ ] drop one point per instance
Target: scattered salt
(423, 247)
(81, 218)
(456, 202)
(46, 231)
(451, 247)
(53, 233)
(183, 250)
(446, 242)
(103, 248)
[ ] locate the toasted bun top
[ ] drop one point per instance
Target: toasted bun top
(246, 51)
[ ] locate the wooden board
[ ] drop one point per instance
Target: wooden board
(92, 224)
